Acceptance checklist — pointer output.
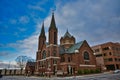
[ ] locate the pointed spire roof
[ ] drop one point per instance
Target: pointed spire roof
(52, 25)
(42, 31)
(67, 34)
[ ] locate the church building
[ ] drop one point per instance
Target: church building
(64, 58)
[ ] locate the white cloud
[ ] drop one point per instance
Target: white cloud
(84, 20)
(36, 7)
(27, 46)
(6, 64)
(88, 20)
(10, 62)
(24, 19)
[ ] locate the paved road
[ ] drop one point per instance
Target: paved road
(106, 76)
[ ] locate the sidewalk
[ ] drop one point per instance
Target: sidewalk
(88, 75)
(70, 77)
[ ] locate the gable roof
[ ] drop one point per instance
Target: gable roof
(71, 49)
(75, 47)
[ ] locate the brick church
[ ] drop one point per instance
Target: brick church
(67, 57)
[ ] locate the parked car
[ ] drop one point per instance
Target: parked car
(116, 71)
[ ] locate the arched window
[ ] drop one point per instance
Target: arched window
(54, 53)
(86, 56)
(43, 55)
(69, 59)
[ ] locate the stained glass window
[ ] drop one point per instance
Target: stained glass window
(54, 53)
(44, 54)
(86, 56)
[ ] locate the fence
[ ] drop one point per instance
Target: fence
(12, 72)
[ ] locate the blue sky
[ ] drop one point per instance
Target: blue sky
(97, 21)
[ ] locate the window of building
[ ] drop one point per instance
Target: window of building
(110, 53)
(106, 48)
(99, 55)
(54, 61)
(105, 60)
(69, 59)
(113, 48)
(97, 50)
(117, 49)
(40, 63)
(110, 59)
(105, 54)
(62, 59)
(54, 53)
(115, 59)
(44, 55)
(86, 55)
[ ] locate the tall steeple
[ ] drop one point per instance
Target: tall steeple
(53, 31)
(42, 34)
(42, 38)
(52, 24)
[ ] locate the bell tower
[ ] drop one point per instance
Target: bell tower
(53, 31)
(41, 46)
(53, 46)
(42, 39)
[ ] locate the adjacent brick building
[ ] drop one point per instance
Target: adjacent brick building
(65, 58)
(107, 55)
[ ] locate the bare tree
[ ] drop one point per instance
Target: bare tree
(22, 60)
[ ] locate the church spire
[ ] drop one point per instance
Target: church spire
(52, 25)
(42, 34)
(53, 31)
(42, 38)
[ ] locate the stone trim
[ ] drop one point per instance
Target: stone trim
(83, 65)
(49, 58)
(51, 45)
